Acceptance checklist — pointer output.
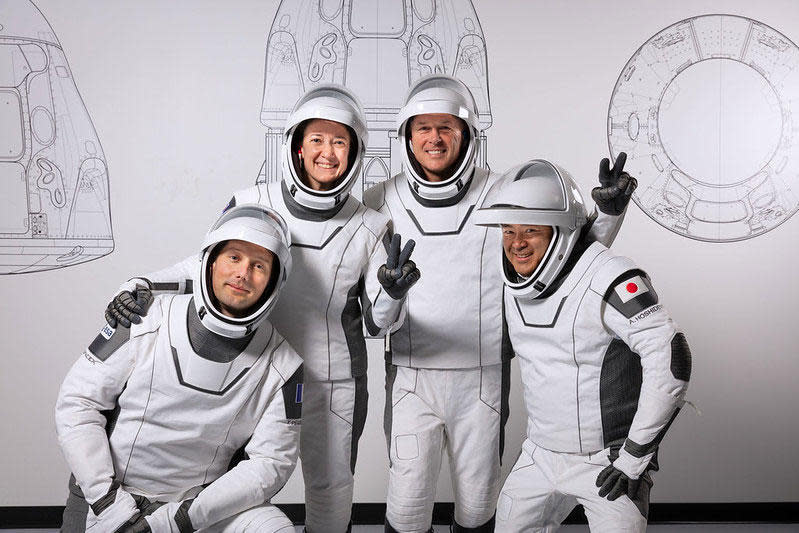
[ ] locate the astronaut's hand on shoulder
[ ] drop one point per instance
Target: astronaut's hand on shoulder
(128, 307)
(616, 187)
(613, 483)
(399, 273)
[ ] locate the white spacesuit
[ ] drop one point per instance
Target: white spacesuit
(183, 390)
(604, 367)
(447, 365)
(337, 247)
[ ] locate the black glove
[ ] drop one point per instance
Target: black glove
(615, 186)
(127, 307)
(399, 273)
(612, 483)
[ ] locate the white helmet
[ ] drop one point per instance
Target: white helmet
(536, 193)
(329, 102)
(256, 224)
(439, 93)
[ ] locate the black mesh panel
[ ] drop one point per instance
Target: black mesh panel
(619, 389)
(680, 358)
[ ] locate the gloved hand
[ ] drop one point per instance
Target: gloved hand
(128, 306)
(616, 187)
(612, 483)
(399, 273)
(114, 512)
(171, 517)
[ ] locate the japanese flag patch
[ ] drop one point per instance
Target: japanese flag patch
(632, 288)
(631, 293)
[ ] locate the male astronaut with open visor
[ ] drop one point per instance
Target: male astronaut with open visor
(350, 278)
(603, 366)
(150, 416)
(447, 373)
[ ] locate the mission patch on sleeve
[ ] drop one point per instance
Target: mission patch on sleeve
(292, 395)
(631, 293)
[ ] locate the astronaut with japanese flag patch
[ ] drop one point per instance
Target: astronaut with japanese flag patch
(604, 367)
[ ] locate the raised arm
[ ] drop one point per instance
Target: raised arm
(612, 197)
(389, 276)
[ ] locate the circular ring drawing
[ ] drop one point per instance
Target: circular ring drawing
(708, 112)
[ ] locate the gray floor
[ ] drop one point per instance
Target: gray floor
(676, 528)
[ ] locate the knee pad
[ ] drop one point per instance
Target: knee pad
(476, 509)
(328, 511)
(487, 527)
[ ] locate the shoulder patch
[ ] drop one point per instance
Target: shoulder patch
(631, 293)
(108, 341)
(292, 395)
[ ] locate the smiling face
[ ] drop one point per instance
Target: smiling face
(525, 246)
(436, 140)
(323, 153)
(239, 275)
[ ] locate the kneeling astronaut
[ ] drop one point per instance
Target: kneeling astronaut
(150, 416)
(603, 366)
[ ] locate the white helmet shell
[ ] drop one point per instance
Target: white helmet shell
(543, 194)
(329, 102)
(439, 93)
(256, 224)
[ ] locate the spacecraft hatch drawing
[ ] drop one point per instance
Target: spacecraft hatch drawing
(377, 48)
(708, 113)
(54, 197)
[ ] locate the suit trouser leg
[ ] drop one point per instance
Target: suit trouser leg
(333, 416)
(262, 519)
(474, 407)
(530, 500)
(415, 435)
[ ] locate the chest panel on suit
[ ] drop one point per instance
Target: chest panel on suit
(454, 310)
(166, 395)
(328, 259)
(561, 343)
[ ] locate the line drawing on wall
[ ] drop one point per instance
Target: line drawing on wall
(708, 113)
(54, 196)
(376, 48)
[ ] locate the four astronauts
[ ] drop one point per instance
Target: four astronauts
(183, 414)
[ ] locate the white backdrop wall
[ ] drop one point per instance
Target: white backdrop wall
(174, 90)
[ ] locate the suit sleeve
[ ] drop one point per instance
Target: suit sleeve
(176, 279)
(632, 311)
(271, 458)
(92, 386)
(605, 228)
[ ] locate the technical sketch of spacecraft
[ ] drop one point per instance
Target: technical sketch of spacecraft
(377, 48)
(708, 113)
(54, 198)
